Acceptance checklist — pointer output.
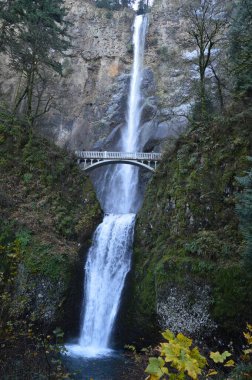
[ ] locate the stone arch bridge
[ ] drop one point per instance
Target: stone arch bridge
(90, 160)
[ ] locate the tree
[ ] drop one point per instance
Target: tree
(244, 210)
(206, 24)
(143, 6)
(33, 33)
(113, 4)
(241, 46)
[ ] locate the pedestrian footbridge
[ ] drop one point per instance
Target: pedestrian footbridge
(91, 160)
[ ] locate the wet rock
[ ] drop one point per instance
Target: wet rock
(153, 133)
(149, 109)
(186, 309)
(37, 297)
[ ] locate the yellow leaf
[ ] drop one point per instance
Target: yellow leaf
(212, 372)
(168, 335)
(219, 358)
(184, 341)
(230, 363)
(171, 352)
(191, 366)
(248, 337)
(165, 370)
(248, 351)
(155, 367)
(195, 354)
(249, 327)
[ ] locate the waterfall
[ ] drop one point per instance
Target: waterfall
(109, 257)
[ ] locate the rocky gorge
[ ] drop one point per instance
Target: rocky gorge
(188, 271)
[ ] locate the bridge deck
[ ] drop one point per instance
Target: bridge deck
(118, 155)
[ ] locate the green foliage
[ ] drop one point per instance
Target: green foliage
(163, 53)
(219, 358)
(241, 46)
(43, 198)
(244, 211)
(45, 260)
(112, 4)
(18, 336)
(33, 33)
(109, 15)
(242, 372)
(40, 352)
(142, 7)
(177, 359)
(232, 289)
(208, 245)
(188, 224)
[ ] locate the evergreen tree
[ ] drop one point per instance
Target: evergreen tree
(113, 4)
(143, 6)
(241, 46)
(244, 210)
(33, 32)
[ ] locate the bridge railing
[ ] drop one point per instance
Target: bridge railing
(118, 155)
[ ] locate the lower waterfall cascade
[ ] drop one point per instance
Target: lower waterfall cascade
(107, 266)
(109, 258)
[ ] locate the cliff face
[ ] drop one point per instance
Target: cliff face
(48, 209)
(98, 56)
(90, 100)
(167, 43)
(83, 107)
(188, 269)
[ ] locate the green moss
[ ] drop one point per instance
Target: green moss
(47, 206)
(232, 289)
(44, 259)
(188, 223)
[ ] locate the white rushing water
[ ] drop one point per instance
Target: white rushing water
(106, 268)
(118, 191)
(109, 257)
(130, 134)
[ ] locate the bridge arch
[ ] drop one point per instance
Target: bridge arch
(98, 164)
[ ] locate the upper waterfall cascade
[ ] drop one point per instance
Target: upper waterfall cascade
(109, 258)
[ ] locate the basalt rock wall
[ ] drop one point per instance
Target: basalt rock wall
(89, 101)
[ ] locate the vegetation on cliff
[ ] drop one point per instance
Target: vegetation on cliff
(244, 210)
(188, 229)
(48, 207)
(33, 34)
(113, 4)
(193, 234)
